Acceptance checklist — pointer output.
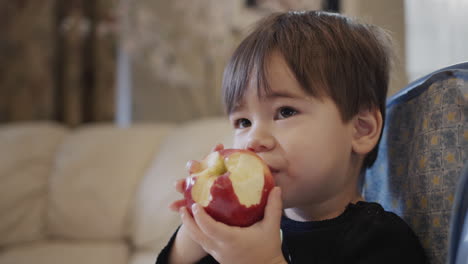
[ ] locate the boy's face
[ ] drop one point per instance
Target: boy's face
(302, 139)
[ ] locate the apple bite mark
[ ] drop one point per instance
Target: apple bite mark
(247, 178)
(211, 168)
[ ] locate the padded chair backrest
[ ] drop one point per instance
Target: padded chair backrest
(421, 155)
(458, 240)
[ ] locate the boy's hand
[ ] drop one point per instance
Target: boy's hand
(185, 250)
(259, 243)
(192, 165)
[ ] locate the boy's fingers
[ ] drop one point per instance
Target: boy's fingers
(208, 225)
(175, 206)
(180, 185)
(218, 147)
(193, 166)
(193, 230)
(274, 208)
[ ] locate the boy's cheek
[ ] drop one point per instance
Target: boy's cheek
(238, 143)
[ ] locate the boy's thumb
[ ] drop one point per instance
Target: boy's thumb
(274, 208)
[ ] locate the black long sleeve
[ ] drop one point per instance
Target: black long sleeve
(364, 233)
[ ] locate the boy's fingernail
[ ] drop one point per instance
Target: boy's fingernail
(194, 208)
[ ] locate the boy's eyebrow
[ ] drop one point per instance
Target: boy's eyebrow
(237, 107)
(282, 94)
(269, 96)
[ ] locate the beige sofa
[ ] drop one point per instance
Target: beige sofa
(97, 194)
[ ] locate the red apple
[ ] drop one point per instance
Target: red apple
(232, 185)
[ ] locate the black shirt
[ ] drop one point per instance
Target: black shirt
(363, 233)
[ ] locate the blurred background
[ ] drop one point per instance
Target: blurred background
(123, 61)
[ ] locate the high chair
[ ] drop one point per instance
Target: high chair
(458, 243)
(423, 150)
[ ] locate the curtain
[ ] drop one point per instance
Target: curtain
(26, 71)
(178, 50)
(58, 60)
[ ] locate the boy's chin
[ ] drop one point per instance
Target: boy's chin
(288, 205)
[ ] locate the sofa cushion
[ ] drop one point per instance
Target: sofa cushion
(143, 257)
(26, 158)
(96, 173)
(88, 252)
(154, 223)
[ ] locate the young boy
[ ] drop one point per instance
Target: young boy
(306, 91)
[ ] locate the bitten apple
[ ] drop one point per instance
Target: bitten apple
(232, 185)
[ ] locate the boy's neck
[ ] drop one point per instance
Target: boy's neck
(325, 210)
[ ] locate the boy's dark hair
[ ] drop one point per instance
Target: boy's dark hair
(330, 55)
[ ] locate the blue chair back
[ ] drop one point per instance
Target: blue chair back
(422, 152)
(458, 239)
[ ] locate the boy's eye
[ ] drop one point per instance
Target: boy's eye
(242, 123)
(285, 112)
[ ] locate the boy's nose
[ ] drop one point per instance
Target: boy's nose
(260, 143)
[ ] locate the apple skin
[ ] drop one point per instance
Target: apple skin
(225, 205)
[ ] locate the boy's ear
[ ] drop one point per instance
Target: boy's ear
(367, 125)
